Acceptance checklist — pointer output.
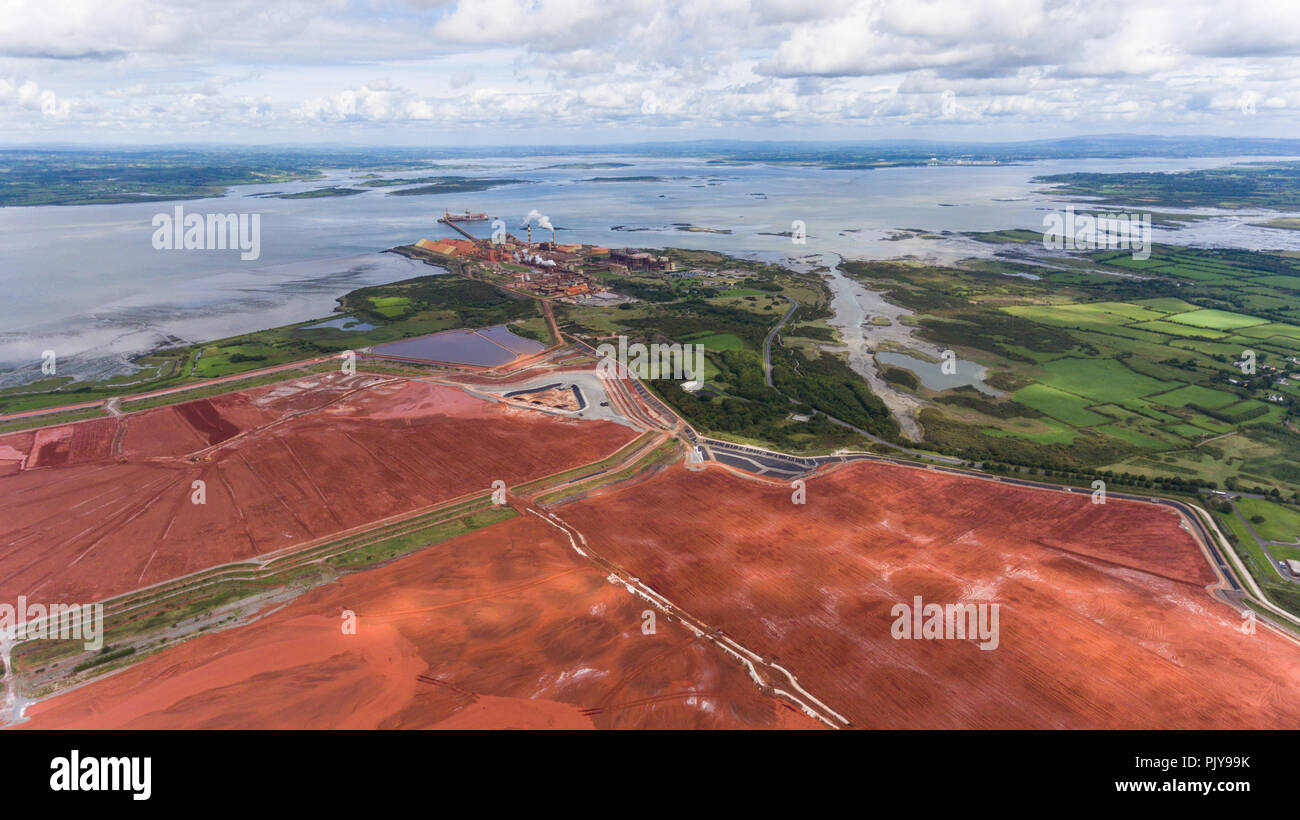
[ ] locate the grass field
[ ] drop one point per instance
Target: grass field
(1290, 333)
(717, 341)
(1103, 380)
(1280, 523)
(1174, 329)
(1286, 282)
(1040, 432)
(1058, 404)
(1216, 319)
(1133, 436)
(1280, 591)
(391, 307)
(1195, 394)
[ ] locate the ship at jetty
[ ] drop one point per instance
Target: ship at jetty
(448, 216)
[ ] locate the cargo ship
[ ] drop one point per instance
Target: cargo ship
(448, 216)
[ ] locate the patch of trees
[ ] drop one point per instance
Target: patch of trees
(970, 442)
(989, 329)
(972, 399)
(695, 316)
(645, 291)
(829, 385)
(822, 334)
(901, 377)
(476, 304)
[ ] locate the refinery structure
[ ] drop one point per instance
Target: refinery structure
(545, 267)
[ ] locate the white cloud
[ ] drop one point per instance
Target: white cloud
(30, 96)
(378, 102)
(246, 66)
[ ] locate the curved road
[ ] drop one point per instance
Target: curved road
(767, 343)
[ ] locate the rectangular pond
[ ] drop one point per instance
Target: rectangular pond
(486, 347)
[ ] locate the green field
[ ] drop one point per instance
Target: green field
(1215, 319)
(1195, 394)
(1133, 436)
(740, 292)
(1286, 331)
(1280, 523)
(1102, 380)
(1243, 410)
(391, 307)
(1058, 404)
(1173, 329)
(1286, 282)
(1053, 434)
(718, 341)
(1166, 304)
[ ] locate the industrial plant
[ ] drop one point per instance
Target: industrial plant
(543, 268)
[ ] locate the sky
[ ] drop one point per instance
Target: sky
(533, 72)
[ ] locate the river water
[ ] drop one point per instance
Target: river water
(86, 281)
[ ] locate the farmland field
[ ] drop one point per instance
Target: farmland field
(1058, 404)
(1104, 380)
(1195, 394)
(1144, 371)
(1215, 319)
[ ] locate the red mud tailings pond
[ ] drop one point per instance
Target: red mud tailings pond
(97, 508)
(505, 627)
(1104, 619)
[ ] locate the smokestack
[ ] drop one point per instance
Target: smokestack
(530, 235)
(552, 236)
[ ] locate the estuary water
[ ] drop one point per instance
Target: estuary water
(86, 281)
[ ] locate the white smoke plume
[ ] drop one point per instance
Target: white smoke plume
(543, 221)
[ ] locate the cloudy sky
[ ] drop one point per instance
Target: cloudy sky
(584, 71)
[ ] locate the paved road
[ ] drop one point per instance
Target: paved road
(1280, 567)
(781, 465)
(902, 449)
(767, 343)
